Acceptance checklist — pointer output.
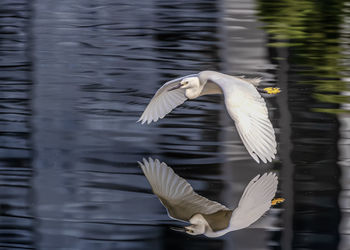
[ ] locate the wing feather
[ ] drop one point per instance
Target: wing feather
(248, 109)
(255, 201)
(175, 193)
(164, 101)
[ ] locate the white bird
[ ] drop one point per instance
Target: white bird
(208, 217)
(243, 102)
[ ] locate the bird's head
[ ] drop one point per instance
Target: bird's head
(195, 229)
(190, 82)
(198, 226)
(192, 86)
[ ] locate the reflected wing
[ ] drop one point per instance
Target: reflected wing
(175, 193)
(255, 201)
(163, 102)
(248, 109)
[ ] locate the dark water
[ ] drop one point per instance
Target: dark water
(76, 75)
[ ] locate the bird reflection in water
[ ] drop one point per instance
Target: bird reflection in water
(205, 216)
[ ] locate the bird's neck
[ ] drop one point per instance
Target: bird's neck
(218, 223)
(194, 92)
(211, 89)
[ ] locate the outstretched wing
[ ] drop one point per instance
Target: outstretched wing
(175, 193)
(248, 109)
(164, 101)
(255, 201)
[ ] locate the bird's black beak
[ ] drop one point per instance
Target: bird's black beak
(178, 229)
(175, 87)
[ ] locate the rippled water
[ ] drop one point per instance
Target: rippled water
(76, 75)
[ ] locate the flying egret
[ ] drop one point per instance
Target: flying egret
(208, 217)
(243, 102)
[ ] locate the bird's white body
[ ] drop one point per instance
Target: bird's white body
(242, 100)
(208, 217)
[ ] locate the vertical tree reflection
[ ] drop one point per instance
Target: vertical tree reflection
(309, 33)
(186, 42)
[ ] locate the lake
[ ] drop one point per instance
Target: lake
(75, 76)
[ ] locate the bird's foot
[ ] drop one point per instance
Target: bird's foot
(276, 201)
(272, 91)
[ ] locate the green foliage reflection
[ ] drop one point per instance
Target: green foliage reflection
(314, 33)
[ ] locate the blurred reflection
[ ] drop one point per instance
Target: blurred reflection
(344, 142)
(17, 201)
(205, 216)
(306, 42)
(243, 52)
(313, 33)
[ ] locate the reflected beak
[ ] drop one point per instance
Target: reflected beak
(175, 87)
(178, 229)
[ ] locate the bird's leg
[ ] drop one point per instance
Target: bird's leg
(276, 201)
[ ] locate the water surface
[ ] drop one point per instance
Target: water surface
(76, 75)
